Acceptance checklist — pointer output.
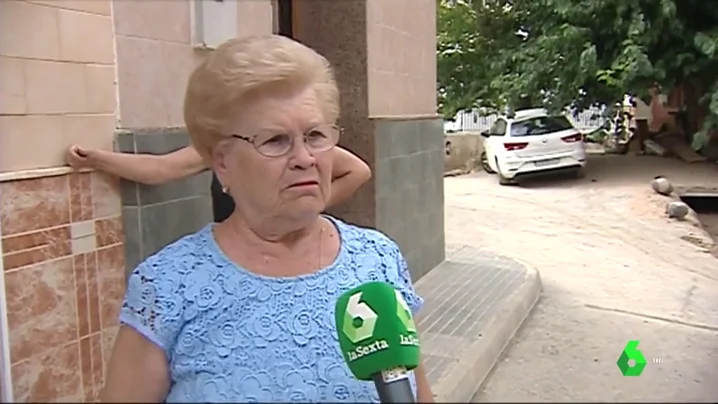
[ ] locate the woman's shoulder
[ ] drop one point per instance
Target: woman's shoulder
(185, 254)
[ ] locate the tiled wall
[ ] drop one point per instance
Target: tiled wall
(154, 216)
(64, 278)
(57, 80)
(401, 57)
(155, 56)
(409, 183)
(61, 235)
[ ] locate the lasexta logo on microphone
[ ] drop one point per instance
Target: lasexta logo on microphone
(360, 325)
(375, 329)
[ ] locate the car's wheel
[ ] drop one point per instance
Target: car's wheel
(485, 164)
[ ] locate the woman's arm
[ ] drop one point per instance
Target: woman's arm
(137, 371)
(151, 320)
(348, 174)
(143, 168)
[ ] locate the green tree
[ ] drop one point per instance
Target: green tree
(575, 53)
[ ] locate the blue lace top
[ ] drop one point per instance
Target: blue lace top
(234, 336)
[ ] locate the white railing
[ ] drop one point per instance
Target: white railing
(471, 121)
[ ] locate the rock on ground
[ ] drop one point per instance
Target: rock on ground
(662, 185)
(677, 209)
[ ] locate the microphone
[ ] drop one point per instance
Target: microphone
(378, 339)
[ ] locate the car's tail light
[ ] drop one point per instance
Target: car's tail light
(515, 146)
(576, 137)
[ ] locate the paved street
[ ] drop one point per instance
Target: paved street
(613, 269)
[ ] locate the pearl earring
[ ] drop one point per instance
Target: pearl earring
(225, 189)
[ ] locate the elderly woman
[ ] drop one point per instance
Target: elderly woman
(243, 310)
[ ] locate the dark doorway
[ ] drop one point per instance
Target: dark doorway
(284, 14)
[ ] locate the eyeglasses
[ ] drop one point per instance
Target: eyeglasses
(316, 140)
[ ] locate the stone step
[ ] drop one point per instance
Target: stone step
(475, 303)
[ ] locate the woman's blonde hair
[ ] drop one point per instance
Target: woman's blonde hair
(243, 68)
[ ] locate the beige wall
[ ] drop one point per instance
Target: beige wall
(63, 72)
(401, 38)
(56, 80)
(155, 56)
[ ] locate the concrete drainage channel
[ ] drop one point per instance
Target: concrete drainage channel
(704, 202)
(475, 303)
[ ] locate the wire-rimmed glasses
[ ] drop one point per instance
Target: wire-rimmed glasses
(271, 144)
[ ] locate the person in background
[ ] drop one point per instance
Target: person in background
(651, 118)
(662, 116)
(243, 310)
(349, 171)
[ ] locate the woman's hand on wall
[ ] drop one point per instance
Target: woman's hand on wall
(77, 157)
(146, 169)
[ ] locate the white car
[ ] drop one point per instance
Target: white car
(532, 142)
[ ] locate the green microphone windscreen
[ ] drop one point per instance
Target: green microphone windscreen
(376, 330)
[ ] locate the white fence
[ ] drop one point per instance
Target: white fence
(471, 121)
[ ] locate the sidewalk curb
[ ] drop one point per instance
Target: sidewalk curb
(468, 375)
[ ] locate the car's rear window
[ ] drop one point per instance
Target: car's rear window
(540, 126)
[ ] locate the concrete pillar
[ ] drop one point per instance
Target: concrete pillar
(384, 54)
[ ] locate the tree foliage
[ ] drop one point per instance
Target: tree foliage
(573, 53)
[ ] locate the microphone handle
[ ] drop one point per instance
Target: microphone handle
(393, 386)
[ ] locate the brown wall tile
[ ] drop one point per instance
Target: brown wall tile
(81, 295)
(27, 241)
(32, 248)
(98, 366)
(111, 282)
(28, 205)
(86, 369)
(52, 376)
(108, 341)
(91, 357)
(41, 308)
(88, 300)
(93, 293)
(105, 195)
(80, 197)
(109, 231)
(58, 301)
